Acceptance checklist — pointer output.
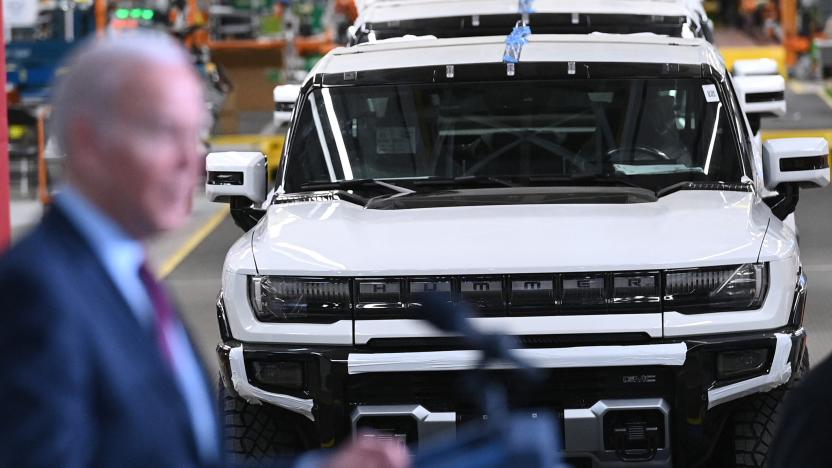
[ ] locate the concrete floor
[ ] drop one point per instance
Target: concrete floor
(805, 109)
(195, 284)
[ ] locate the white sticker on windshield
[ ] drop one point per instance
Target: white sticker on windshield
(710, 93)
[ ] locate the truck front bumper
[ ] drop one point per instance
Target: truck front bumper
(681, 386)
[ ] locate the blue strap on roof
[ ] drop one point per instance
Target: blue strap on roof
(515, 41)
(520, 34)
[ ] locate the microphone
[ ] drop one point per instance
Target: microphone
(456, 319)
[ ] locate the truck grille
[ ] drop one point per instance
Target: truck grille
(562, 388)
(446, 343)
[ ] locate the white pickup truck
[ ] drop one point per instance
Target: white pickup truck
(600, 200)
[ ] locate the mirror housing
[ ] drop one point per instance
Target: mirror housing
(755, 67)
(761, 96)
(800, 161)
(285, 97)
(233, 175)
(240, 179)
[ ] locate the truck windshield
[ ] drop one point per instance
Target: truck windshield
(649, 133)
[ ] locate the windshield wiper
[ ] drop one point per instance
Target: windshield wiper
(691, 185)
(467, 180)
(353, 184)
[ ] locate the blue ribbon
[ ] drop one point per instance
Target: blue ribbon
(514, 43)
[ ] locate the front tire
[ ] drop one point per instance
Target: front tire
(750, 429)
(257, 432)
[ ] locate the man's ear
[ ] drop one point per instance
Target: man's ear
(85, 143)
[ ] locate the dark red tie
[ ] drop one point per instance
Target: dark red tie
(165, 314)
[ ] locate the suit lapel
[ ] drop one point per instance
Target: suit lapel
(100, 289)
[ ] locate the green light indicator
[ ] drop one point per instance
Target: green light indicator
(136, 13)
(147, 15)
(121, 13)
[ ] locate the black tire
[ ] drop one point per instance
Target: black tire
(750, 429)
(257, 432)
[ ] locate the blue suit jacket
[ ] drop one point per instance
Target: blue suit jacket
(82, 383)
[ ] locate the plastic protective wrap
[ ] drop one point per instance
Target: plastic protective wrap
(780, 373)
(672, 354)
(257, 396)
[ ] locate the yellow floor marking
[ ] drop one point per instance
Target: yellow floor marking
(196, 238)
(816, 132)
(825, 97)
(817, 89)
(797, 86)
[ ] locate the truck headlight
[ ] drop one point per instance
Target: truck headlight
(295, 299)
(736, 287)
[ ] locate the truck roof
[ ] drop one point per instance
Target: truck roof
(426, 51)
(399, 10)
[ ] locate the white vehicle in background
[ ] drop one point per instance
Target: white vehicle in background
(284, 103)
(387, 19)
(384, 19)
(761, 88)
(762, 92)
(599, 200)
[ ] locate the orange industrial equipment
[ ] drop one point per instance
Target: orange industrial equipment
(315, 45)
(44, 191)
(100, 17)
(195, 17)
(785, 13)
(794, 43)
(246, 44)
(348, 8)
(749, 6)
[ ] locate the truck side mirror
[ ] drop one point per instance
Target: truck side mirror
(802, 161)
(761, 96)
(792, 163)
(240, 179)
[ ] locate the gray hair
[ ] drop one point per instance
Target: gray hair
(96, 74)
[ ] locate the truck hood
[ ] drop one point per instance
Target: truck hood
(338, 238)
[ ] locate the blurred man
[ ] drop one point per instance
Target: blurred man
(98, 369)
(804, 430)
